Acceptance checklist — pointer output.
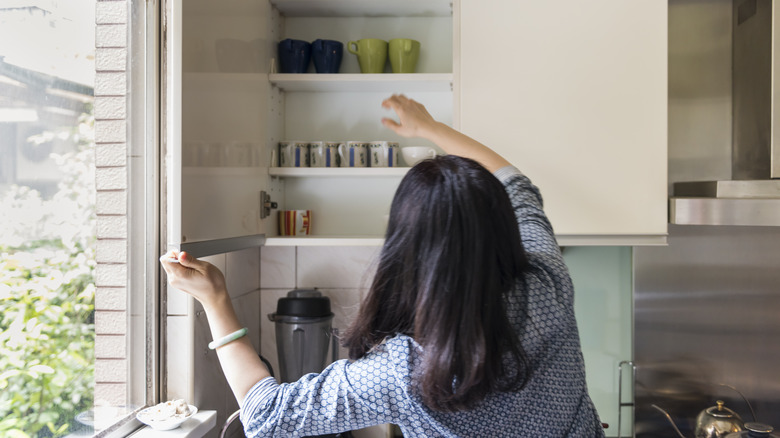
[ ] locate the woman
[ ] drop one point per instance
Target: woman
(468, 329)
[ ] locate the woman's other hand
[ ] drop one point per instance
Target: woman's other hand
(200, 279)
(413, 119)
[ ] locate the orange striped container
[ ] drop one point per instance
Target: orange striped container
(294, 222)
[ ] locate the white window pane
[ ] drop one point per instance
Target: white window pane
(63, 353)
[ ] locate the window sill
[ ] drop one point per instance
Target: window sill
(196, 427)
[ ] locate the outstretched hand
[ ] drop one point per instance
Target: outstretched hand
(414, 119)
(200, 279)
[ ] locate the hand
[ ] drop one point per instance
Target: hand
(414, 119)
(239, 361)
(200, 279)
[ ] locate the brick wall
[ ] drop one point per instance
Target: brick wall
(111, 58)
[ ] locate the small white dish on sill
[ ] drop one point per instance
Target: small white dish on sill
(147, 417)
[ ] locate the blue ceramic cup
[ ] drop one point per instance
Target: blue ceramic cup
(294, 56)
(327, 55)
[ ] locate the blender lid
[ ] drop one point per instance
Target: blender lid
(303, 303)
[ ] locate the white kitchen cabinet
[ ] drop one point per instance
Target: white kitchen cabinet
(212, 111)
(575, 95)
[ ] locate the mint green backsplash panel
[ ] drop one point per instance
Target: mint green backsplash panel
(602, 279)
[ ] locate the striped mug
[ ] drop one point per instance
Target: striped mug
(294, 222)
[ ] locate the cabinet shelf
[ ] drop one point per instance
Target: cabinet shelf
(319, 8)
(342, 82)
(385, 82)
(364, 8)
(315, 240)
(303, 172)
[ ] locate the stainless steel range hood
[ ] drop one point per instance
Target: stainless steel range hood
(752, 196)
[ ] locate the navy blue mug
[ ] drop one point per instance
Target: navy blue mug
(294, 56)
(327, 55)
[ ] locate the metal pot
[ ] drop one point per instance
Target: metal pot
(754, 430)
(717, 422)
(713, 422)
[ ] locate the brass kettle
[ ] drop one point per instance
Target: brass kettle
(717, 422)
(713, 422)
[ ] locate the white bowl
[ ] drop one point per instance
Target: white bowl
(414, 154)
(146, 417)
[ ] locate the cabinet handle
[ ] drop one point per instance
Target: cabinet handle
(621, 403)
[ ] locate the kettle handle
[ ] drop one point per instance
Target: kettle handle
(669, 417)
(752, 412)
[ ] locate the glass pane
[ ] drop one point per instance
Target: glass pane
(47, 236)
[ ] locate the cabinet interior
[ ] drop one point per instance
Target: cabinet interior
(236, 108)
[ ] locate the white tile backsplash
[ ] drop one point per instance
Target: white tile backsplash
(344, 304)
(335, 267)
(247, 309)
(242, 272)
(277, 267)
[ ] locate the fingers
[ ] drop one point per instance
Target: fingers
(170, 256)
(167, 261)
(395, 102)
(400, 104)
(390, 123)
(186, 259)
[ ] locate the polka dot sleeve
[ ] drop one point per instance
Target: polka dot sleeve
(345, 396)
(537, 234)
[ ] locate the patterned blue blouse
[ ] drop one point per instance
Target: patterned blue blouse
(376, 389)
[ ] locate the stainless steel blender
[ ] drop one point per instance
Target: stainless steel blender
(303, 337)
(303, 333)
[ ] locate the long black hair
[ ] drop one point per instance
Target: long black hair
(452, 250)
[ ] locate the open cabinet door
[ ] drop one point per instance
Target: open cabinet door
(216, 104)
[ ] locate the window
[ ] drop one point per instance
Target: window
(47, 239)
(78, 300)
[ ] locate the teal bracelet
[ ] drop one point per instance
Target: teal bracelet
(238, 334)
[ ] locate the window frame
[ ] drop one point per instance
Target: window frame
(145, 308)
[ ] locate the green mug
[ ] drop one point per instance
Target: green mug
(371, 53)
(403, 55)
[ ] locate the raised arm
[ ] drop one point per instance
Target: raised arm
(415, 121)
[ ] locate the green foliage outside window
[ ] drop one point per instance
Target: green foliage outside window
(47, 296)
